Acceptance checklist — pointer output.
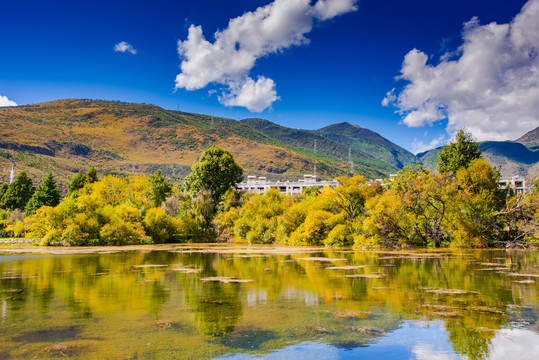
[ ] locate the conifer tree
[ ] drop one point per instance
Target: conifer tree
(91, 176)
(77, 182)
(459, 153)
(18, 193)
(46, 194)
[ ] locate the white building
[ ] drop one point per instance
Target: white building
(517, 183)
(261, 184)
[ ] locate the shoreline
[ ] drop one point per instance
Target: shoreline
(14, 249)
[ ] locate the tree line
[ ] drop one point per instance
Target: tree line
(459, 205)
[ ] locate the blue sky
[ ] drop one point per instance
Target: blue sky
(332, 61)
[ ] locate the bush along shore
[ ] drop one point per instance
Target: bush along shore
(459, 205)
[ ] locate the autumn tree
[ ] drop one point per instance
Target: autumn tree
(216, 171)
(459, 153)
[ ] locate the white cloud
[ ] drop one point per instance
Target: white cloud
(521, 344)
(423, 351)
(125, 47)
(255, 96)
(419, 146)
(229, 59)
(4, 101)
(491, 88)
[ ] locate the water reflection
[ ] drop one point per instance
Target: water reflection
(208, 302)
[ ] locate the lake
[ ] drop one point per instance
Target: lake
(247, 302)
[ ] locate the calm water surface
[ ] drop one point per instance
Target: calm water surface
(220, 302)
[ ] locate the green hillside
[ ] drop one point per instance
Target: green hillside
(325, 147)
(67, 136)
(513, 157)
(367, 141)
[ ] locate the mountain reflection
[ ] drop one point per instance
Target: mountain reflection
(205, 302)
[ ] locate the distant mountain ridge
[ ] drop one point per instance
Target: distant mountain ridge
(67, 136)
(520, 157)
(318, 141)
(370, 142)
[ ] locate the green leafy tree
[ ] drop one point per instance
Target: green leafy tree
(18, 193)
(459, 153)
(216, 171)
(159, 188)
(46, 194)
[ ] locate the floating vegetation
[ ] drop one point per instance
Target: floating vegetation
(186, 269)
(162, 324)
(528, 281)
(368, 330)
(448, 313)
(523, 275)
(63, 350)
(149, 266)
(440, 307)
(57, 349)
(447, 291)
(491, 264)
(486, 309)
(225, 279)
(369, 276)
(252, 256)
(347, 267)
(320, 259)
(493, 269)
(351, 314)
(12, 291)
(317, 329)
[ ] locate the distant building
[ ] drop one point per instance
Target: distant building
(517, 183)
(261, 184)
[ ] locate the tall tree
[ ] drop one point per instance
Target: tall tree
(18, 193)
(80, 180)
(159, 188)
(459, 153)
(46, 194)
(216, 171)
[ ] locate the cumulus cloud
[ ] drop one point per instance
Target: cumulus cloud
(4, 101)
(125, 47)
(491, 86)
(229, 59)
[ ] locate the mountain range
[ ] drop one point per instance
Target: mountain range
(519, 157)
(67, 136)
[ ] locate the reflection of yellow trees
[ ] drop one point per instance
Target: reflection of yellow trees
(459, 287)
